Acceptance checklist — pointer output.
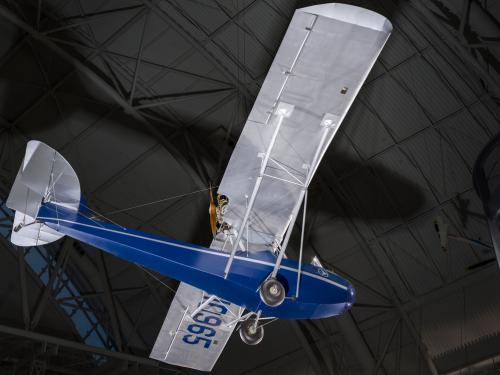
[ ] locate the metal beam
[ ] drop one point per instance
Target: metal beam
(244, 27)
(313, 354)
(464, 16)
(386, 346)
(113, 367)
(110, 302)
(395, 300)
(172, 98)
(352, 335)
(198, 45)
(138, 60)
(22, 282)
(169, 68)
(47, 292)
(381, 275)
(87, 18)
(91, 271)
(112, 179)
(43, 338)
(446, 40)
(347, 325)
(179, 126)
(114, 292)
(479, 357)
(38, 14)
(96, 53)
(202, 171)
(480, 276)
(105, 87)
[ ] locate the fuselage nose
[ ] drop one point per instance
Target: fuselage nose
(351, 296)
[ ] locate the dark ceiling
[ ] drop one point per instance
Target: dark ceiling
(147, 98)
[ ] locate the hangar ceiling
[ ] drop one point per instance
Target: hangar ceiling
(146, 99)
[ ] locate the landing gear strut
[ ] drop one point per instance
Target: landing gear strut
(250, 332)
(272, 292)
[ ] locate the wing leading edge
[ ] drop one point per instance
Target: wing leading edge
(325, 56)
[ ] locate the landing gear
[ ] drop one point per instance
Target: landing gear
(272, 292)
(250, 332)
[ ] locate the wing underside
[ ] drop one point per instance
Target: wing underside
(324, 58)
(322, 62)
(194, 340)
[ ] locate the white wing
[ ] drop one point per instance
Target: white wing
(195, 342)
(326, 55)
(320, 66)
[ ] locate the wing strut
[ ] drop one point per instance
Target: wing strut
(299, 271)
(328, 123)
(282, 111)
(203, 305)
(286, 110)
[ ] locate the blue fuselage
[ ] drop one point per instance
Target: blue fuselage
(322, 293)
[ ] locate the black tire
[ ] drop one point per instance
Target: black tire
(250, 333)
(272, 292)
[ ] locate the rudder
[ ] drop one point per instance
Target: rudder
(44, 176)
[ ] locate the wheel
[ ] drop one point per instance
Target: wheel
(250, 333)
(272, 292)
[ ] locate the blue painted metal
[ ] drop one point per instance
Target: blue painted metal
(322, 293)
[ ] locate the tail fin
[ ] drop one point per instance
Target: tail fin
(44, 176)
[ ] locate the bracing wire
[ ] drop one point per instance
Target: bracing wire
(105, 216)
(157, 201)
(97, 214)
(156, 278)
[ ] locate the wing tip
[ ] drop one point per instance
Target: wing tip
(351, 14)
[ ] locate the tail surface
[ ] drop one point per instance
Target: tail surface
(44, 176)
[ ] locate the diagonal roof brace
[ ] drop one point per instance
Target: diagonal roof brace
(107, 89)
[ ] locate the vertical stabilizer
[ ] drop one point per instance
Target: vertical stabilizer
(44, 176)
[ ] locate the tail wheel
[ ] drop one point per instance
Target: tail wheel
(250, 332)
(272, 292)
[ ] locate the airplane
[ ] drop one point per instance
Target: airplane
(243, 278)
